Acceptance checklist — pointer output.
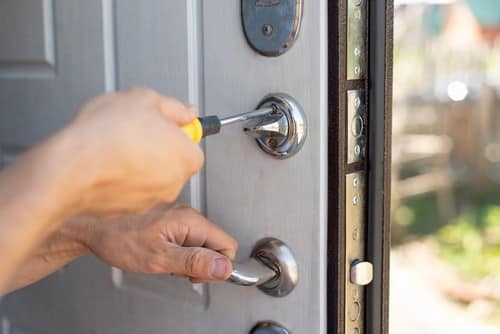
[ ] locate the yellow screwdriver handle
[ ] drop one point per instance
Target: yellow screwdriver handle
(194, 130)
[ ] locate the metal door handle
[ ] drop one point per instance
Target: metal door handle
(272, 268)
(251, 273)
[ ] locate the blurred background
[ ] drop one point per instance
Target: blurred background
(445, 275)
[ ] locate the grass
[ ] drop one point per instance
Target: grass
(470, 242)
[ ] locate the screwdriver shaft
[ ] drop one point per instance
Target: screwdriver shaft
(246, 116)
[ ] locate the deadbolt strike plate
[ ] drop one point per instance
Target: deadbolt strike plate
(356, 126)
(356, 39)
(355, 251)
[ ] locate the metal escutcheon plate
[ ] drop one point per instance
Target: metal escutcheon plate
(271, 26)
(277, 255)
(269, 327)
(296, 126)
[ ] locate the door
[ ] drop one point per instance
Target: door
(55, 54)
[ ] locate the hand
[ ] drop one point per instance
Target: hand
(170, 239)
(131, 151)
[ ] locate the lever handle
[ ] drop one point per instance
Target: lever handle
(271, 267)
(251, 273)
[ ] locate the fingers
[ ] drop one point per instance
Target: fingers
(199, 264)
(192, 229)
(176, 111)
(171, 108)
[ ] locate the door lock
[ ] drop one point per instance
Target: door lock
(269, 327)
(271, 26)
(278, 124)
(272, 268)
(282, 132)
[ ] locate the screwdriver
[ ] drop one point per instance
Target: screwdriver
(202, 127)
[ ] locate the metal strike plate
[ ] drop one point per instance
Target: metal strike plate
(356, 126)
(355, 253)
(356, 39)
(271, 26)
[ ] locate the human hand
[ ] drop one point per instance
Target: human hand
(131, 151)
(170, 239)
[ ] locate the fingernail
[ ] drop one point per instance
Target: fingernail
(219, 267)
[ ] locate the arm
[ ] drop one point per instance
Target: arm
(33, 202)
(124, 152)
(169, 239)
(61, 248)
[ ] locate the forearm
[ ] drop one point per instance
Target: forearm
(34, 202)
(61, 248)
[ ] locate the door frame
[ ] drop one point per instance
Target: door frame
(378, 88)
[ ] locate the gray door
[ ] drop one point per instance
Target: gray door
(55, 54)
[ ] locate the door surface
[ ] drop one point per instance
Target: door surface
(55, 54)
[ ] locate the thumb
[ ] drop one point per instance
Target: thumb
(200, 263)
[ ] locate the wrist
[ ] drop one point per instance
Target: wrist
(78, 232)
(71, 177)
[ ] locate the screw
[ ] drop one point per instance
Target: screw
(357, 51)
(272, 143)
(267, 29)
(355, 182)
(357, 70)
(355, 200)
(357, 150)
(355, 234)
(358, 2)
(357, 102)
(355, 331)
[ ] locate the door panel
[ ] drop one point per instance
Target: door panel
(253, 195)
(27, 35)
(42, 94)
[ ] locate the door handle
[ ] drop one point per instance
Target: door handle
(272, 268)
(251, 273)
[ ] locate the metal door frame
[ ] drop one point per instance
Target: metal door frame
(378, 86)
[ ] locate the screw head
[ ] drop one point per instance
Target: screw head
(357, 150)
(357, 102)
(272, 143)
(357, 70)
(355, 200)
(357, 51)
(355, 234)
(355, 182)
(267, 29)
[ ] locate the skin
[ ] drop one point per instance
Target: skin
(122, 154)
(170, 239)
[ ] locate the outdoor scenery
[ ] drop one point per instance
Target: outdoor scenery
(445, 275)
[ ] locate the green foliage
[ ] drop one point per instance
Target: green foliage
(470, 242)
